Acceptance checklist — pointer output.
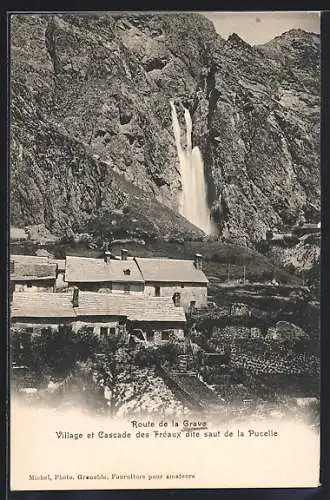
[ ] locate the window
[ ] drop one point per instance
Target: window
(192, 305)
(29, 285)
(157, 291)
(112, 331)
(166, 335)
(46, 331)
(29, 329)
(104, 332)
(65, 328)
(182, 285)
(150, 335)
(127, 288)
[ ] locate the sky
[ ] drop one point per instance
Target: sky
(260, 27)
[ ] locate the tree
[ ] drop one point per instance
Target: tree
(55, 353)
(20, 347)
(262, 246)
(107, 377)
(267, 275)
(290, 268)
(60, 253)
(151, 356)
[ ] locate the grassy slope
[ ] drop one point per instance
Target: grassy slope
(216, 255)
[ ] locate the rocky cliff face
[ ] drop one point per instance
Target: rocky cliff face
(92, 137)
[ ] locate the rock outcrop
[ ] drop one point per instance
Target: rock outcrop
(92, 137)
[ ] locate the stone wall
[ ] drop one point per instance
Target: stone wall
(164, 336)
(108, 287)
(188, 292)
(37, 324)
(60, 281)
(97, 323)
(36, 286)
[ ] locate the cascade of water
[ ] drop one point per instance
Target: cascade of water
(193, 203)
(188, 121)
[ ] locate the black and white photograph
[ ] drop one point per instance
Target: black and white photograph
(165, 226)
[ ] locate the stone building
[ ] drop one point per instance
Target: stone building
(182, 280)
(29, 273)
(106, 275)
(103, 314)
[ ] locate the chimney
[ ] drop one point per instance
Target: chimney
(12, 267)
(75, 299)
(107, 252)
(107, 256)
(177, 299)
(198, 261)
(123, 253)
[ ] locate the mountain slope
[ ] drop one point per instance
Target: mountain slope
(92, 132)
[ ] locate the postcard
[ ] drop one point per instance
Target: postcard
(164, 250)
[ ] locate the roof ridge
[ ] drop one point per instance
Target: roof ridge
(165, 259)
(56, 305)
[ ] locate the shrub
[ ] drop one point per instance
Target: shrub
(146, 356)
(267, 275)
(200, 339)
(20, 347)
(59, 252)
(290, 268)
(151, 356)
(55, 353)
(168, 352)
(262, 246)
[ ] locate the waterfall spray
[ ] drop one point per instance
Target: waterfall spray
(193, 204)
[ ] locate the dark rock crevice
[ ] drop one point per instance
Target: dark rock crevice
(50, 41)
(156, 63)
(212, 95)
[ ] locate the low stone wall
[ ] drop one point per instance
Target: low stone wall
(189, 398)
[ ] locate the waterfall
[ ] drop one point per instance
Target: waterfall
(193, 204)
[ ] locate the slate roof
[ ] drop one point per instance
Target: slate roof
(29, 259)
(59, 305)
(83, 269)
(42, 305)
(32, 267)
(136, 308)
(33, 272)
(170, 270)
